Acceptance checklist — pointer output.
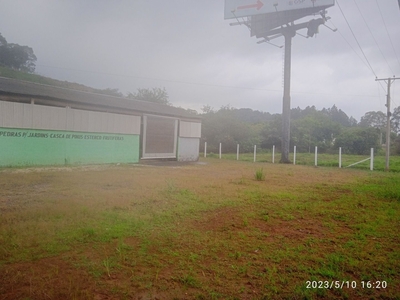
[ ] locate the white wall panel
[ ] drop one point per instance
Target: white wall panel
(188, 149)
(6, 115)
(47, 117)
(22, 115)
(127, 124)
(111, 123)
(95, 123)
(37, 119)
(28, 115)
(18, 117)
(80, 120)
(190, 129)
(57, 118)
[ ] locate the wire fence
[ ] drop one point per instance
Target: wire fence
(314, 158)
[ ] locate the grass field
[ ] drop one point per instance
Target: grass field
(324, 160)
(218, 229)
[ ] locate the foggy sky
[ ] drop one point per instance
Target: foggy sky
(187, 47)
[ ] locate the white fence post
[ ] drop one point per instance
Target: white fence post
(316, 156)
(273, 154)
(294, 155)
(340, 157)
(220, 149)
(371, 166)
(205, 149)
(255, 152)
(237, 152)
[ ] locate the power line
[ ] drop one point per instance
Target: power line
(203, 84)
(348, 43)
(362, 51)
(384, 23)
(355, 2)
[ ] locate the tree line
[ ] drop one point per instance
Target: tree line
(17, 57)
(328, 129)
(23, 58)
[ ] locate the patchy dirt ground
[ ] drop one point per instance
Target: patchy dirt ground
(190, 231)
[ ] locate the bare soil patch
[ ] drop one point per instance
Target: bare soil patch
(192, 231)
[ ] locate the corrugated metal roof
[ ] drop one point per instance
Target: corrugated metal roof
(99, 102)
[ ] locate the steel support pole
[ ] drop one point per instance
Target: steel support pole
(388, 114)
(288, 33)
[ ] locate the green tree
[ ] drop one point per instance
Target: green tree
(396, 120)
(317, 130)
(358, 140)
(224, 127)
(338, 116)
(156, 95)
(376, 119)
(17, 57)
(271, 133)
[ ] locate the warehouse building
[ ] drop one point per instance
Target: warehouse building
(48, 125)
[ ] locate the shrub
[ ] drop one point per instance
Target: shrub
(259, 175)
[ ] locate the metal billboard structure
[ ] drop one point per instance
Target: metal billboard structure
(270, 19)
(245, 8)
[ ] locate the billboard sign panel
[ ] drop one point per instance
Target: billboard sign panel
(246, 8)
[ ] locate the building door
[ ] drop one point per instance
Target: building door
(159, 137)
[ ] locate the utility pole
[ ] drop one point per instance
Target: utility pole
(388, 115)
(288, 33)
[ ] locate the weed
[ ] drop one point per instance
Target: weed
(107, 265)
(193, 257)
(259, 174)
(188, 280)
(236, 255)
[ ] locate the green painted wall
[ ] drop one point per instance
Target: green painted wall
(26, 147)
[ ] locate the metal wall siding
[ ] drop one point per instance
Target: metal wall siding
(18, 118)
(37, 118)
(6, 115)
(45, 117)
(95, 123)
(70, 120)
(188, 149)
(127, 124)
(27, 121)
(190, 129)
(110, 123)
(22, 115)
(79, 122)
(57, 117)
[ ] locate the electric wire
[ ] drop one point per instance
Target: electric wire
(370, 31)
(348, 43)
(384, 23)
(205, 84)
(362, 51)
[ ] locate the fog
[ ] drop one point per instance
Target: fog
(188, 48)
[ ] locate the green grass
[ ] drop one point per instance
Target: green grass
(209, 231)
(324, 160)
